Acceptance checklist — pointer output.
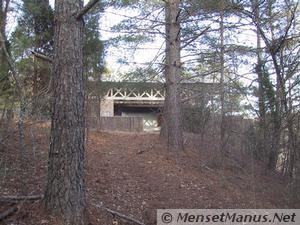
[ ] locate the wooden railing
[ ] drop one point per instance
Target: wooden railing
(117, 123)
(133, 94)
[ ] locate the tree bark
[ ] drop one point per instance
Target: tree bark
(98, 102)
(172, 119)
(4, 67)
(65, 190)
(276, 103)
(4, 6)
(292, 137)
(34, 111)
(222, 85)
(261, 89)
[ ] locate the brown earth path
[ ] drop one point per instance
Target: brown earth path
(135, 174)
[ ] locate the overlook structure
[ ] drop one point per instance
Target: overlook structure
(140, 99)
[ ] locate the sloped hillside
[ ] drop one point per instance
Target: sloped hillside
(135, 174)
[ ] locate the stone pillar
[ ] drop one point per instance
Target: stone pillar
(107, 107)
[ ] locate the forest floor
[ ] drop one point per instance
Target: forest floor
(135, 174)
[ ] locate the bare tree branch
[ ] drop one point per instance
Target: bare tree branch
(195, 37)
(86, 8)
(10, 64)
(41, 56)
(21, 198)
(115, 213)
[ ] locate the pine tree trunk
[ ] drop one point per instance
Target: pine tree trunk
(35, 108)
(4, 68)
(172, 119)
(65, 190)
(98, 102)
(222, 85)
(3, 20)
(263, 129)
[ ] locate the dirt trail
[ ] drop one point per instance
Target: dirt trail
(136, 174)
